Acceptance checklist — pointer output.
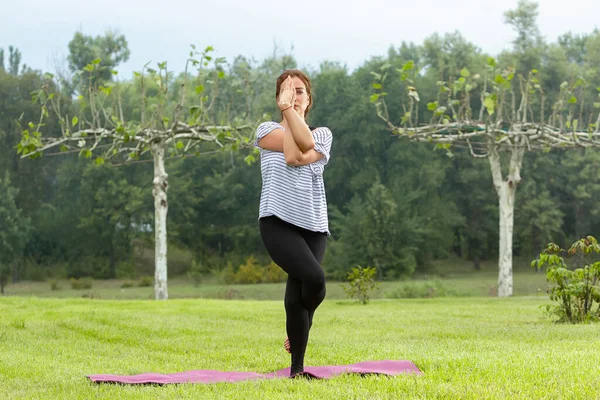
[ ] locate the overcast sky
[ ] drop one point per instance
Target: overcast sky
(349, 31)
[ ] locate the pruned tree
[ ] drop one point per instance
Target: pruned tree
(174, 118)
(513, 118)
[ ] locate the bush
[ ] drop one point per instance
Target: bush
(83, 283)
(272, 273)
(98, 267)
(225, 275)
(33, 271)
(54, 285)
(196, 272)
(361, 283)
(125, 270)
(250, 272)
(127, 284)
(577, 292)
(146, 281)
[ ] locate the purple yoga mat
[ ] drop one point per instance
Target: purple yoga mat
(385, 367)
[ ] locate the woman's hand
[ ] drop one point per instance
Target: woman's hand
(287, 94)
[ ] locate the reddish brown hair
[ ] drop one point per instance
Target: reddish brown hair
(298, 74)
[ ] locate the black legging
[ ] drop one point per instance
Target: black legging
(298, 252)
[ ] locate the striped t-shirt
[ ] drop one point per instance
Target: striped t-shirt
(294, 194)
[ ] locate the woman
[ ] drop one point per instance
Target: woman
(293, 209)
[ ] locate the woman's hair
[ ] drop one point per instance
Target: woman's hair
(299, 74)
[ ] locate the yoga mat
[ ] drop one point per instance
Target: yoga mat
(385, 367)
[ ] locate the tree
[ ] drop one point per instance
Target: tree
(529, 44)
(166, 125)
(15, 228)
(111, 49)
(499, 127)
(14, 61)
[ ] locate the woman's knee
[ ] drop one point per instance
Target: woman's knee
(316, 285)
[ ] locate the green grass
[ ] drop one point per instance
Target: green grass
(468, 348)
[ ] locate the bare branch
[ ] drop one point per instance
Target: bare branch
(473, 152)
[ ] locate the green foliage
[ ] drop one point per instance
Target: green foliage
(105, 52)
(127, 284)
(14, 229)
(146, 281)
(577, 291)
(273, 273)
(249, 272)
(81, 283)
(92, 218)
(54, 284)
(227, 275)
(14, 61)
(125, 270)
(361, 283)
(90, 265)
(252, 272)
(196, 272)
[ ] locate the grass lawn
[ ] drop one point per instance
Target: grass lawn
(468, 348)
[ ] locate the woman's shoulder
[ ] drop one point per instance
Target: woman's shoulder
(322, 131)
(269, 125)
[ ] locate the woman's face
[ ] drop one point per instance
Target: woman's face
(302, 97)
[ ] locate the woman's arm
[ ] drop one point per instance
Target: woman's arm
(283, 142)
(300, 131)
(291, 151)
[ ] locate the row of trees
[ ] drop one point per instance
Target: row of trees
(393, 205)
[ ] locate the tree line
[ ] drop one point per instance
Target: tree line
(393, 204)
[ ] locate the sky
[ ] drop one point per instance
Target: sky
(349, 32)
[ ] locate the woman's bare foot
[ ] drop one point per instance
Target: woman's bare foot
(286, 345)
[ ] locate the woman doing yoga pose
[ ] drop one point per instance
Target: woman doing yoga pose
(293, 208)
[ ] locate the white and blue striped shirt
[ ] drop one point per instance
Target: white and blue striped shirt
(294, 194)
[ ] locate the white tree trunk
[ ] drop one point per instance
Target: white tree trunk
(506, 200)
(506, 190)
(160, 221)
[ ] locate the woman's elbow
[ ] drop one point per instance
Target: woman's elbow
(308, 146)
(291, 161)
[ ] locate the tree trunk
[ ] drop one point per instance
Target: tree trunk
(506, 190)
(16, 276)
(160, 221)
(3, 277)
(506, 199)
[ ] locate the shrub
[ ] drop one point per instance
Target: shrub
(125, 270)
(577, 292)
(127, 284)
(146, 281)
(225, 275)
(361, 283)
(272, 273)
(54, 285)
(97, 267)
(33, 271)
(196, 272)
(250, 272)
(83, 283)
